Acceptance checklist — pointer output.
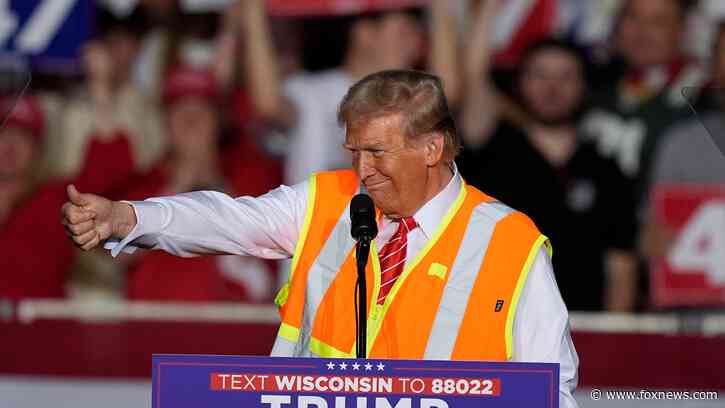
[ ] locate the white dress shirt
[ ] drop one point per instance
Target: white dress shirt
(208, 222)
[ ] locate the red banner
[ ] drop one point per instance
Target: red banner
(693, 271)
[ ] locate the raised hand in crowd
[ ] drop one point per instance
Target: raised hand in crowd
(480, 102)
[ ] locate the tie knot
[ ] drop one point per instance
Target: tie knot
(407, 224)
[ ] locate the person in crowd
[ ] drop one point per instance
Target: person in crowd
(578, 198)
(691, 151)
(108, 98)
(195, 161)
(304, 105)
(28, 203)
(629, 116)
(251, 163)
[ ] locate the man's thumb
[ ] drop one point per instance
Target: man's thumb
(76, 197)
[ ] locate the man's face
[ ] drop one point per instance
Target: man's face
(193, 126)
(552, 86)
(398, 41)
(393, 171)
(17, 150)
(650, 32)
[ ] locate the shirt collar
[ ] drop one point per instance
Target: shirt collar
(431, 213)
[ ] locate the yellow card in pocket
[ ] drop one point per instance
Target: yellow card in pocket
(438, 270)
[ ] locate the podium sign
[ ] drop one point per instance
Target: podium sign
(693, 271)
(181, 381)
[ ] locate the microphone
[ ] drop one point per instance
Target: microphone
(364, 229)
(362, 215)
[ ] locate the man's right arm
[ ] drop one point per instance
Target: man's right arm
(201, 222)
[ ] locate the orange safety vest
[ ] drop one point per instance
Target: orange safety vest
(455, 301)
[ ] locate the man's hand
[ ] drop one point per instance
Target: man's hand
(90, 219)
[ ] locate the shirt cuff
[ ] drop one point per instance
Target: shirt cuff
(150, 220)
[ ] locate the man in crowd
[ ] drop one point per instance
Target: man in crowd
(107, 100)
(577, 197)
(436, 234)
(630, 115)
(691, 152)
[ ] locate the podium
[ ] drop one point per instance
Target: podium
(185, 381)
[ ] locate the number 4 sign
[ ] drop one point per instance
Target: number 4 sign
(700, 245)
(693, 271)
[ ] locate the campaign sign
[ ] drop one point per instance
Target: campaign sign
(181, 381)
(49, 32)
(693, 271)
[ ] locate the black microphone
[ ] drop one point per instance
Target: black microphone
(362, 215)
(364, 229)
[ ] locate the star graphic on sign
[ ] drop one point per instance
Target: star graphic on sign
(368, 366)
(355, 366)
(343, 366)
(330, 365)
(381, 366)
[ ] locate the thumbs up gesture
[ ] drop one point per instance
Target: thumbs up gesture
(90, 219)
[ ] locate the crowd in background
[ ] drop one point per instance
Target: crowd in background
(576, 133)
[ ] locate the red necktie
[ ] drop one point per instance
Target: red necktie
(392, 256)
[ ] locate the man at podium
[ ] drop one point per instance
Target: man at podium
(453, 273)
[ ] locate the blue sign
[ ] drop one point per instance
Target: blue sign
(48, 32)
(186, 381)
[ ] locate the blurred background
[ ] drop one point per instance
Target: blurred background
(601, 119)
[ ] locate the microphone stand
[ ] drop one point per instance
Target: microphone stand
(362, 251)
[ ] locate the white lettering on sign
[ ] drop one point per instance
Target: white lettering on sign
(39, 29)
(384, 403)
(8, 22)
(276, 401)
(43, 25)
(700, 246)
(433, 403)
(306, 401)
(311, 401)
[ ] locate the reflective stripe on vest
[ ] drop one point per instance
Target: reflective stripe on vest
(321, 217)
(452, 307)
(444, 305)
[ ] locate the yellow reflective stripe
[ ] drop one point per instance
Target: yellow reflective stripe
(374, 325)
(306, 226)
(283, 293)
(323, 349)
(464, 271)
(288, 332)
(549, 248)
(517, 293)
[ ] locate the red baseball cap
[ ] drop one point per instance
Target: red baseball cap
(184, 81)
(24, 112)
